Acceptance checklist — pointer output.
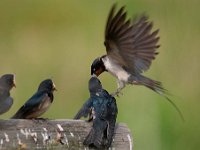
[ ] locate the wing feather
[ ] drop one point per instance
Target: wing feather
(31, 105)
(85, 110)
(130, 42)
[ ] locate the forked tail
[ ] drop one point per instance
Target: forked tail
(157, 87)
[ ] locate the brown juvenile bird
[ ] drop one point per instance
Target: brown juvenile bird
(38, 103)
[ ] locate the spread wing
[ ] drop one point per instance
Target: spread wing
(31, 105)
(85, 110)
(131, 43)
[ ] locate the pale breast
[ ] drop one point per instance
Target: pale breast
(43, 107)
(115, 69)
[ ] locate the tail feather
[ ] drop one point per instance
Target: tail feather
(176, 107)
(21, 113)
(94, 139)
(96, 136)
(18, 115)
(157, 87)
(110, 133)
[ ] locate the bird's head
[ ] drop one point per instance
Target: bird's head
(7, 81)
(97, 66)
(47, 85)
(94, 84)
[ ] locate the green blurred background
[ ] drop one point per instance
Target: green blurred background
(59, 39)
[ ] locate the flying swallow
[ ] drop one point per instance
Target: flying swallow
(38, 103)
(102, 110)
(7, 82)
(131, 46)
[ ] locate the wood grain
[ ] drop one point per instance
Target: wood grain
(55, 134)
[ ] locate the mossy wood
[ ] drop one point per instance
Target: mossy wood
(55, 134)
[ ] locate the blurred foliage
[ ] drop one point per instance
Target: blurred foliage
(59, 40)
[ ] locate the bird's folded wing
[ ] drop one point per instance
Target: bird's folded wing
(31, 105)
(85, 110)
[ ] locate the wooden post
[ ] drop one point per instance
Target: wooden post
(55, 134)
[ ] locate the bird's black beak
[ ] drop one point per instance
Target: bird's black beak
(92, 72)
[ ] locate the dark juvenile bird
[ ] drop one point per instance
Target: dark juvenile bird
(38, 103)
(101, 108)
(7, 82)
(131, 46)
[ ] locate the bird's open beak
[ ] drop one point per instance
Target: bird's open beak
(54, 87)
(14, 82)
(14, 85)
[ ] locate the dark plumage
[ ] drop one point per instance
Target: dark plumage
(38, 103)
(101, 108)
(131, 46)
(7, 82)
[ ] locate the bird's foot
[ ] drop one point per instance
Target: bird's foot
(40, 119)
(117, 93)
(89, 120)
(44, 119)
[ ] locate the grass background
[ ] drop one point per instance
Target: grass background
(59, 39)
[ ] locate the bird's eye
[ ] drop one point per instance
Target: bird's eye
(94, 69)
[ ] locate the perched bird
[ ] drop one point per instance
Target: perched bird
(38, 103)
(131, 46)
(101, 108)
(7, 82)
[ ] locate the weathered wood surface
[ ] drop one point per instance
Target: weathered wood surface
(55, 134)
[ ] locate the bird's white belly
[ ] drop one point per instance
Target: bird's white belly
(116, 70)
(41, 110)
